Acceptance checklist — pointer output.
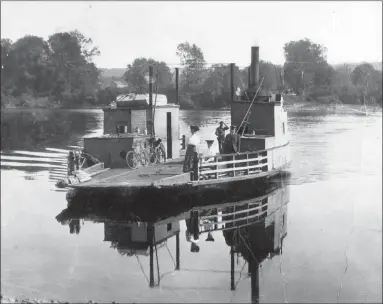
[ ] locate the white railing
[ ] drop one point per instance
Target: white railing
(238, 164)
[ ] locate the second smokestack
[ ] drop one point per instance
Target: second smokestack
(254, 68)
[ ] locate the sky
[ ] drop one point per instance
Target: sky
(225, 31)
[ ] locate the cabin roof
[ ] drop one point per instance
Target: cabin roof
(160, 99)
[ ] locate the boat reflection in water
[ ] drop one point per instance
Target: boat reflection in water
(253, 229)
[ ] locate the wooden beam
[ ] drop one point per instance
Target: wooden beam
(231, 82)
(177, 85)
(232, 269)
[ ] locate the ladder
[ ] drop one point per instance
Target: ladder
(245, 119)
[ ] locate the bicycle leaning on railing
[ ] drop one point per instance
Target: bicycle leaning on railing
(146, 152)
(156, 150)
(138, 155)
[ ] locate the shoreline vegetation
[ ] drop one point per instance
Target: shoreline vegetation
(36, 300)
(60, 73)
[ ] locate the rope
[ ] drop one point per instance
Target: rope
(142, 269)
(166, 244)
(240, 274)
(251, 104)
(252, 253)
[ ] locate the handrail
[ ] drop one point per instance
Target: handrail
(234, 213)
(234, 220)
(234, 161)
(256, 151)
(234, 169)
(259, 162)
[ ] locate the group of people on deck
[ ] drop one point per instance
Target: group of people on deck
(227, 144)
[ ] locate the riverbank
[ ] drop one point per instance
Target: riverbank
(33, 301)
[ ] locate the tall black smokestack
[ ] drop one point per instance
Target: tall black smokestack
(254, 69)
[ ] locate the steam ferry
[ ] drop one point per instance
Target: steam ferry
(141, 146)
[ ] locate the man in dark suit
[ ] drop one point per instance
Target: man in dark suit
(231, 145)
(232, 141)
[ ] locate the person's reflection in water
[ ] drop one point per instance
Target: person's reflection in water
(74, 226)
(192, 231)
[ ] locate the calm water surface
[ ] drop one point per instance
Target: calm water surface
(332, 251)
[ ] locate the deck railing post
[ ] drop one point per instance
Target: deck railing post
(70, 162)
(150, 234)
(77, 160)
(216, 167)
(232, 264)
(183, 142)
(178, 251)
(233, 166)
(195, 168)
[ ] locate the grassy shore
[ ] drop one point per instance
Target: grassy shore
(30, 301)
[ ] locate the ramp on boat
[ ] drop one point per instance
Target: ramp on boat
(157, 174)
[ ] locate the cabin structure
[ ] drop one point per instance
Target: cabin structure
(134, 237)
(133, 118)
(259, 116)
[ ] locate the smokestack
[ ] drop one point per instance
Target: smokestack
(254, 69)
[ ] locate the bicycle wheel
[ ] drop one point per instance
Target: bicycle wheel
(160, 154)
(144, 158)
(131, 160)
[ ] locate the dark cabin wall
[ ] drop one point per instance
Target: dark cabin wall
(261, 116)
(114, 117)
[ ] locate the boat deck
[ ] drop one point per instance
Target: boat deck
(155, 174)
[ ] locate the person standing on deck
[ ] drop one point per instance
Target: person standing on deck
(220, 133)
(232, 141)
(192, 149)
(231, 145)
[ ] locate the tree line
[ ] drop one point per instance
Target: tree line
(61, 72)
(57, 71)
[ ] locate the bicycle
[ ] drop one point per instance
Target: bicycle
(156, 150)
(133, 158)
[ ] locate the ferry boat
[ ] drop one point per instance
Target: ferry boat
(136, 126)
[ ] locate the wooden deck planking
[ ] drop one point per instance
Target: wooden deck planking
(143, 176)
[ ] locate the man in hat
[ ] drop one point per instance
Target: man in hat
(220, 133)
(232, 141)
(231, 145)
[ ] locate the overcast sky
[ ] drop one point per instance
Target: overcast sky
(225, 31)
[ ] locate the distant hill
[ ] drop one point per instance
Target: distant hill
(109, 73)
(376, 65)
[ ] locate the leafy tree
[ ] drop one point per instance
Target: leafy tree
(137, 74)
(271, 74)
(215, 82)
(193, 74)
(6, 84)
(305, 64)
(75, 77)
(88, 51)
(368, 80)
(25, 66)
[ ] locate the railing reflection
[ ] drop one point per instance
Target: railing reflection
(253, 229)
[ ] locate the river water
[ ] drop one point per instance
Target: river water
(332, 251)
